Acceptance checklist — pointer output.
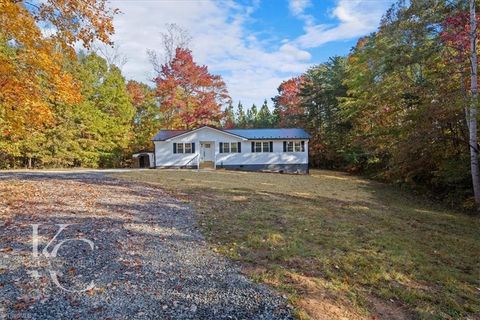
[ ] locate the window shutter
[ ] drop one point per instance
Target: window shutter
(303, 146)
(221, 147)
(174, 147)
(193, 147)
(284, 146)
(239, 147)
(271, 146)
(253, 146)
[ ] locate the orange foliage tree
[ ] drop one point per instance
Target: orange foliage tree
(33, 72)
(189, 95)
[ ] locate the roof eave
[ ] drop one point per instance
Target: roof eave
(222, 131)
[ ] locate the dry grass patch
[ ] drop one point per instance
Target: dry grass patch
(339, 246)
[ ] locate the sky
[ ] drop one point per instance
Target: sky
(253, 44)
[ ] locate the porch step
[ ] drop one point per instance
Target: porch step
(207, 165)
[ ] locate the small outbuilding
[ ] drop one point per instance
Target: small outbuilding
(143, 159)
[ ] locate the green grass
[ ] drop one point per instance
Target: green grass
(337, 244)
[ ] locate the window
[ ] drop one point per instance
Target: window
(226, 147)
(258, 147)
(230, 147)
(293, 146)
(188, 148)
(262, 146)
(290, 146)
(184, 147)
(298, 146)
(266, 146)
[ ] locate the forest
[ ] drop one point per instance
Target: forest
(396, 108)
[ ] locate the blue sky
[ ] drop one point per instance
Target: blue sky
(253, 44)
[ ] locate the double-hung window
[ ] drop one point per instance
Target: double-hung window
(258, 146)
(187, 148)
(184, 147)
(262, 146)
(226, 147)
(293, 146)
(230, 147)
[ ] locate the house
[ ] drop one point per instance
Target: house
(280, 150)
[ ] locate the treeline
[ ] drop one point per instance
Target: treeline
(64, 108)
(395, 107)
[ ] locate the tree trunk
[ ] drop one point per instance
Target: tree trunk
(472, 116)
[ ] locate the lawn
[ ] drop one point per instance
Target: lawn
(339, 246)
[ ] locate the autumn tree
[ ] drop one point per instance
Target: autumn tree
(174, 37)
(287, 103)
(189, 95)
(147, 119)
(32, 65)
(460, 36)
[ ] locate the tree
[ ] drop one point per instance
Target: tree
(189, 95)
(228, 120)
(252, 115)
(107, 110)
(287, 104)
(147, 119)
(33, 75)
(460, 36)
(472, 111)
(264, 116)
(241, 116)
(174, 37)
(321, 89)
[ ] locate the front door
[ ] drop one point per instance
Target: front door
(206, 151)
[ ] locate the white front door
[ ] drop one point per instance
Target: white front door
(206, 151)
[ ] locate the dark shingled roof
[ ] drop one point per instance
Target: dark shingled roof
(167, 134)
(250, 134)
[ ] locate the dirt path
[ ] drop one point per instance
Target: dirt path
(148, 260)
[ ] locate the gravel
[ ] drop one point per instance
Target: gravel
(149, 260)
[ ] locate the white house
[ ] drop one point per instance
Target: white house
(281, 150)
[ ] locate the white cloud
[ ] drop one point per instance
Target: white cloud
(220, 40)
(356, 18)
(297, 7)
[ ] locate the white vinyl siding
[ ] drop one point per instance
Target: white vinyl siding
(166, 157)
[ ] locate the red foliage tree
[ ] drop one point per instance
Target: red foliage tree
(189, 95)
(456, 35)
(288, 103)
(461, 34)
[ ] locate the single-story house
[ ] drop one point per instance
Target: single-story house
(280, 150)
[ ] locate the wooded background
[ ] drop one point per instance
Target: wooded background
(394, 108)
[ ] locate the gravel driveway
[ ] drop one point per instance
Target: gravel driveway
(148, 260)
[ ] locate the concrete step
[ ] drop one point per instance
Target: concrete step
(207, 165)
